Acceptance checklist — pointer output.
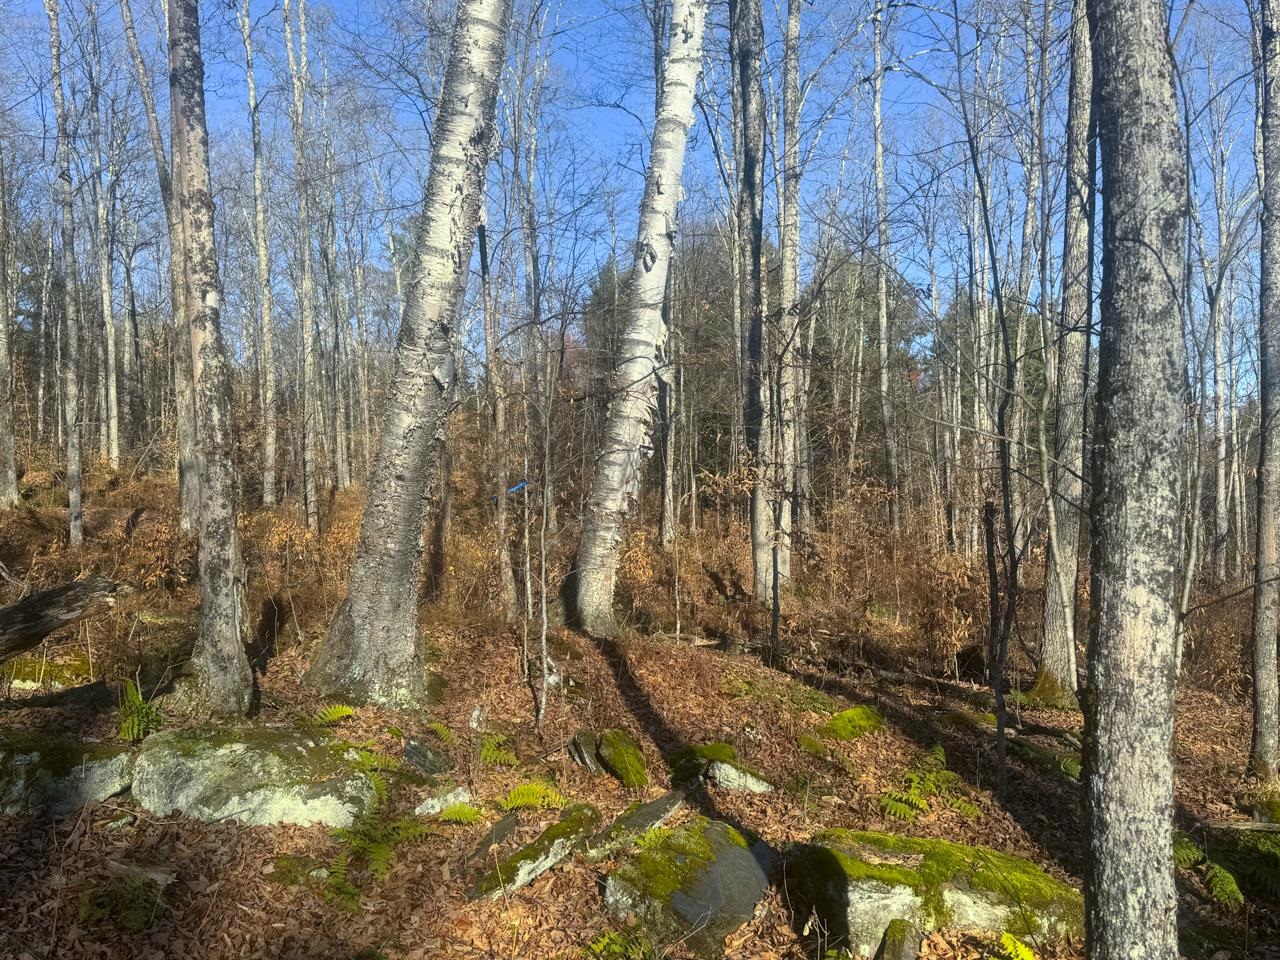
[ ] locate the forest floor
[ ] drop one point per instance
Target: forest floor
(670, 692)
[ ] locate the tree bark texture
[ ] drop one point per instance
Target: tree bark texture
(372, 652)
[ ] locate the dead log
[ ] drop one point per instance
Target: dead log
(31, 619)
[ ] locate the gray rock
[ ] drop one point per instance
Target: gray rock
(577, 822)
(584, 751)
(433, 805)
(256, 775)
(859, 883)
(427, 759)
(901, 941)
(733, 776)
(633, 822)
(694, 885)
(46, 775)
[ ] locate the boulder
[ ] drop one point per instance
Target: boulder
(695, 885)
(447, 798)
(718, 764)
(901, 941)
(257, 775)
(577, 822)
(584, 751)
(730, 775)
(426, 758)
(622, 757)
(47, 775)
(859, 883)
(633, 822)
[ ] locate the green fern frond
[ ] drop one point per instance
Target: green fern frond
(890, 806)
(462, 813)
(495, 752)
(1186, 852)
(966, 808)
(1011, 948)
(1223, 887)
(332, 715)
(533, 796)
(440, 732)
(138, 718)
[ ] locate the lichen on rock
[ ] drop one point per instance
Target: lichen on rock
(694, 884)
(45, 774)
(859, 882)
(577, 822)
(257, 775)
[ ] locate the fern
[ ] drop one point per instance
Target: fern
(1186, 853)
(495, 752)
(332, 715)
(137, 717)
(1222, 886)
(371, 841)
(533, 796)
(461, 813)
(890, 806)
(927, 779)
(440, 732)
(1011, 948)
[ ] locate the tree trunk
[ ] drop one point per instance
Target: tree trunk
(634, 385)
(68, 366)
(1264, 754)
(219, 668)
(372, 652)
(306, 287)
(8, 291)
(1130, 901)
(882, 278)
(1056, 672)
(188, 474)
(25, 623)
(266, 354)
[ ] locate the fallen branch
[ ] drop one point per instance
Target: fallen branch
(1256, 825)
(24, 624)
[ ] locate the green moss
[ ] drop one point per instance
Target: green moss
(967, 719)
(622, 757)
(811, 744)
(796, 697)
(31, 671)
(668, 859)
(58, 757)
(851, 724)
(576, 824)
(928, 866)
(130, 902)
(1047, 692)
(1262, 804)
(292, 871)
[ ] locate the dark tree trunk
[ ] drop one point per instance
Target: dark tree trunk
(24, 624)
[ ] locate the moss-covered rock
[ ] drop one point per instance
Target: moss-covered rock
(718, 763)
(635, 821)
(577, 822)
(851, 724)
(257, 775)
(43, 774)
(621, 756)
(1262, 804)
(694, 885)
(901, 941)
(859, 882)
(39, 673)
(441, 800)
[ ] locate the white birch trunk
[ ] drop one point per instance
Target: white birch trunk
(634, 385)
(372, 652)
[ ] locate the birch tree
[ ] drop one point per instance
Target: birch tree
(1264, 753)
(1057, 673)
(266, 351)
(634, 386)
(69, 374)
(1130, 901)
(372, 652)
(220, 677)
(8, 298)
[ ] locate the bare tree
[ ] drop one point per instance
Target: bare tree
(1130, 901)
(372, 651)
(1264, 754)
(8, 298)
